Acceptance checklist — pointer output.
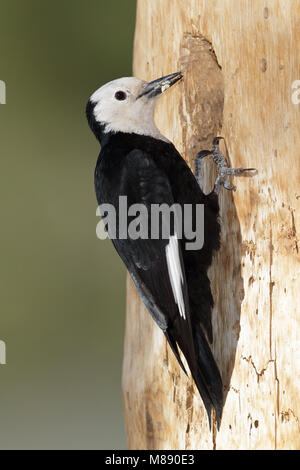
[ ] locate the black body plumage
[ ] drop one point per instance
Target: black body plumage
(151, 171)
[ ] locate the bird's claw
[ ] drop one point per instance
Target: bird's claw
(223, 170)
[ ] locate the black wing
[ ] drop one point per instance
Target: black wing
(148, 262)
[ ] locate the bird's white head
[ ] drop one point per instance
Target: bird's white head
(127, 105)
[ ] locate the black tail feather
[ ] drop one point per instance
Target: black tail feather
(204, 371)
(207, 377)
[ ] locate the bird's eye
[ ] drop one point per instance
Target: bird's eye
(120, 95)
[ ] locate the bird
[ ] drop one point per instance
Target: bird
(138, 162)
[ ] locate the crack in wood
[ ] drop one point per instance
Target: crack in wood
(260, 373)
(271, 286)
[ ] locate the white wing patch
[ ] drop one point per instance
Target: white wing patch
(175, 273)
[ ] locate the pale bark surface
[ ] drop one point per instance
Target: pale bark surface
(239, 60)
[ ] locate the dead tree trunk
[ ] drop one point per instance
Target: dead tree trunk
(240, 60)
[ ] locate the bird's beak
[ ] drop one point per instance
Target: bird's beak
(158, 86)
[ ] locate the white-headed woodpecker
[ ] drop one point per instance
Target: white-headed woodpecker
(138, 162)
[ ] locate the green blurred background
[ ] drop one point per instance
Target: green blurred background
(62, 289)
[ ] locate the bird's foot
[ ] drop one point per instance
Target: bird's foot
(223, 170)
